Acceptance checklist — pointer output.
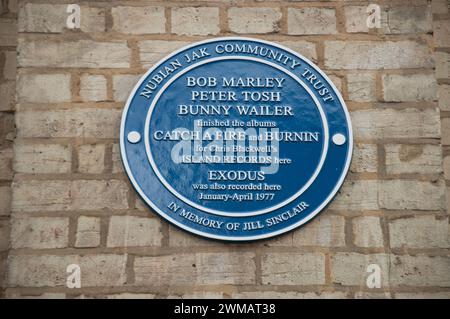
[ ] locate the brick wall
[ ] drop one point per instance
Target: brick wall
(72, 203)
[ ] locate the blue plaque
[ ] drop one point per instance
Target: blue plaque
(236, 139)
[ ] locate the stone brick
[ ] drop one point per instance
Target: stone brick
(423, 159)
(367, 231)
(138, 20)
(195, 21)
(447, 167)
(8, 94)
(439, 6)
(93, 19)
(122, 86)
(422, 295)
(293, 269)
(254, 20)
(412, 19)
(10, 65)
(411, 194)
(43, 195)
(411, 87)
(350, 269)
(42, 158)
(7, 128)
(88, 232)
(289, 295)
(445, 124)
(151, 51)
(126, 231)
(73, 54)
(372, 295)
(420, 271)
(442, 60)
(6, 172)
(326, 231)
(419, 232)
(5, 200)
(13, 6)
(180, 238)
(444, 97)
(361, 87)
(356, 195)
(8, 32)
(374, 55)
(389, 123)
(199, 269)
(39, 232)
(91, 158)
(50, 271)
(394, 20)
(117, 166)
(356, 19)
(441, 30)
(51, 18)
(43, 88)
(365, 158)
(305, 48)
(99, 123)
(311, 21)
(4, 235)
(93, 87)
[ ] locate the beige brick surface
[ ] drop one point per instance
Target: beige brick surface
(88, 232)
(350, 269)
(411, 194)
(254, 20)
(91, 158)
(98, 123)
(127, 231)
(420, 271)
(199, 268)
(49, 270)
(412, 87)
(367, 55)
(195, 21)
(44, 195)
(43, 88)
(293, 269)
(311, 21)
(390, 123)
(138, 20)
(424, 159)
(367, 231)
(93, 87)
(73, 54)
(42, 158)
(364, 158)
(40, 232)
(419, 232)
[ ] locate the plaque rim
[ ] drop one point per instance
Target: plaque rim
(267, 235)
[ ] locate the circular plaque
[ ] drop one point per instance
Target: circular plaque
(236, 139)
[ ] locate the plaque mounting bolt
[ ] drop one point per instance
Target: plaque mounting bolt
(134, 137)
(339, 139)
